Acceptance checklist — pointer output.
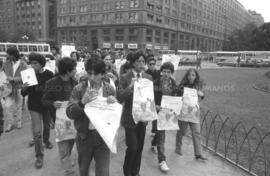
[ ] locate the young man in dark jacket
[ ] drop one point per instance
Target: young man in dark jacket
(39, 114)
(58, 90)
(135, 133)
(89, 142)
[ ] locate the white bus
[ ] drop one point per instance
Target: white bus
(255, 56)
(225, 56)
(188, 57)
(25, 48)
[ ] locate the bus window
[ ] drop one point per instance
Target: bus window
(23, 48)
(2, 48)
(40, 48)
(11, 46)
(46, 48)
(32, 48)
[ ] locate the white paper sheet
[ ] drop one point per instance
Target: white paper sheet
(64, 127)
(66, 50)
(106, 119)
(168, 115)
(143, 108)
(190, 109)
(29, 76)
(50, 65)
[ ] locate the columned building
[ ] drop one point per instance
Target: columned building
(149, 24)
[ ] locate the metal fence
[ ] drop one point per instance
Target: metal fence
(246, 148)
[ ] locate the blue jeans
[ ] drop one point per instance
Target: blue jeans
(65, 149)
(93, 147)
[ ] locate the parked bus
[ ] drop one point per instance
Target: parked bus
(225, 56)
(188, 57)
(25, 48)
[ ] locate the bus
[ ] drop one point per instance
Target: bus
(225, 56)
(255, 56)
(25, 48)
(188, 57)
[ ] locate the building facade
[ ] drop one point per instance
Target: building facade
(38, 16)
(7, 17)
(149, 24)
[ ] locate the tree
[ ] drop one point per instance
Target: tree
(240, 39)
(24, 35)
(261, 38)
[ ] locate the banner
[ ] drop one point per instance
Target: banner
(190, 109)
(106, 119)
(174, 59)
(6, 88)
(29, 76)
(143, 107)
(64, 127)
(66, 50)
(119, 63)
(168, 115)
(50, 65)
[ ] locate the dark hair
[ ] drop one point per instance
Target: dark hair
(136, 56)
(1, 63)
(126, 66)
(105, 55)
(150, 58)
(77, 55)
(13, 52)
(50, 56)
(167, 65)
(37, 57)
(129, 56)
(94, 56)
(66, 65)
(197, 82)
(56, 49)
(95, 64)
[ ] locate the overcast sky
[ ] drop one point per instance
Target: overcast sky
(260, 6)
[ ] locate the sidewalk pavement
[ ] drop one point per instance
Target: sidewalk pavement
(17, 159)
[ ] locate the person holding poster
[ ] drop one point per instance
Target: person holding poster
(13, 102)
(190, 114)
(135, 133)
(89, 142)
(39, 114)
(165, 85)
(110, 72)
(57, 92)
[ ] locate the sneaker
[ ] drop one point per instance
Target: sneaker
(163, 166)
(39, 162)
(200, 157)
(153, 149)
(178, 151)
(31, 143)
(19, 124)
(9, 128)
(48, 145)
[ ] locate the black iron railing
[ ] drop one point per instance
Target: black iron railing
(246, 149)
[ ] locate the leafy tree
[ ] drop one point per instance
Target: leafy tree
(18, 36)
(261, 38)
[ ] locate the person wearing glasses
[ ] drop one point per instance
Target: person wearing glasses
(135, 133)
(89, 142)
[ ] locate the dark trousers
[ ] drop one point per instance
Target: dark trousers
(1, 118)
(40, 119)
(135, 142)
(159, 141)
(93, 147)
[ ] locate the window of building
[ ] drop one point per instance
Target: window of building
(167, 11)
(132, 38)
(133, 16)
(159, 8)
(150, 6)
(106, 31)
(150, 18)
(134, 3)
(119, 31)
(167, 2)
(106, 38)
(159, 19)
(119, 38)
(167, 21)
(158, 36)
